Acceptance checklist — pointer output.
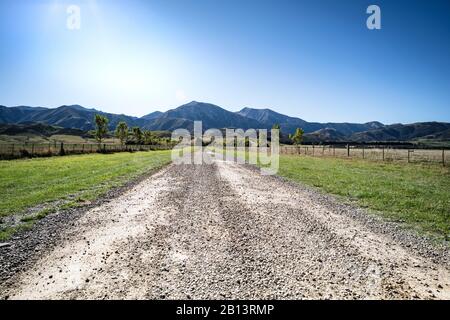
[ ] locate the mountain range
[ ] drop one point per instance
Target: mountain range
(213, 116)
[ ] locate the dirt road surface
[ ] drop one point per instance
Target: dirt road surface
(224, 231)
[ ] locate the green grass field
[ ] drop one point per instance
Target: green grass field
(69, 180)
(418, 195)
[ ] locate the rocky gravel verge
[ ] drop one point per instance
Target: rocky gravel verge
(24, 248)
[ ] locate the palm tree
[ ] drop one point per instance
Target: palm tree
(148, 137)
(137, 133)
(122, 132)
(101, 123)
(297, 138)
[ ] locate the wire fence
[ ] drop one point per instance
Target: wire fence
(376, 153)
(24, 150)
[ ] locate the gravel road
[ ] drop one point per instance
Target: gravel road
(224, 231)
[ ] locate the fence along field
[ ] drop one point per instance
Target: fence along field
(437, 156)
(13, 151)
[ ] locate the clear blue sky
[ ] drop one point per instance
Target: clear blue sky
(312, 59)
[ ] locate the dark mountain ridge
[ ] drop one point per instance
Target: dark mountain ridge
(213, 116)
(39, 129)
(67, 116)
(289, 124)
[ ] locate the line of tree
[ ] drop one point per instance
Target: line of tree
(123, 133)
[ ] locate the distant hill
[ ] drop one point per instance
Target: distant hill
(73, 116)
(268, 118)
(405, 132)
(152, 115)
(289, 124)
(18, 114)
(213, 116)
(324, 135)
(169, 124)
(38, 129)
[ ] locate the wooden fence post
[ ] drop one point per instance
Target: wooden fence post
(409, 155)
(383, 153)
(443, 157)
(348, 150)
(313, 150)
(363, 151)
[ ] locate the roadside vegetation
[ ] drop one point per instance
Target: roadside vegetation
(40, 140)
(40, 133)
(63, 182)
(414, 194)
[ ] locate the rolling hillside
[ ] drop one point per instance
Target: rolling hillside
(38, 129)
(289, 124)
(73, 116)
(213, 116)
(322, 135)
(31, 132)
(395, 132)
(152, 115)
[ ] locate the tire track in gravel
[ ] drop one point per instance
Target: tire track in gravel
(225, 231)
(102, 254)
(323, 252)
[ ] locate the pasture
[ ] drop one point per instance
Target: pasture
(374, 153)
(67, 181)
(417, 195)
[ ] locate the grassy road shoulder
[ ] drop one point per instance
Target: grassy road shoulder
(414, 194)
(49, 184)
